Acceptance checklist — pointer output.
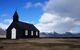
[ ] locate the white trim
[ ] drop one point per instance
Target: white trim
(13, 33)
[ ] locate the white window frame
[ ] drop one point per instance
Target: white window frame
(36, 33)
(32, 33)
(26, 32)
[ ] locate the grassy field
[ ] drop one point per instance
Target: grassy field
(40, 44)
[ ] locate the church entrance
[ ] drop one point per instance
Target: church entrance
(13, 34)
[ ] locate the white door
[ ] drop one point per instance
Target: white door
(13, 35)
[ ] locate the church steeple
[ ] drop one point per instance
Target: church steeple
(15, 17)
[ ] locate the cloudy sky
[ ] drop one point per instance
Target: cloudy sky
(47, 15)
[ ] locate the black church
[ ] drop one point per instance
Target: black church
(20, 30)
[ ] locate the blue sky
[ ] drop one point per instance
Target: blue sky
(32, 14)
(47, 15)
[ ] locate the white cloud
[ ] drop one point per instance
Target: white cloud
(5, 23)
(47, 18)
(28, 5)
(51, 22)
(8, 21)
(38, 4)
(3, 15)
(3, 26)
(60, 16)
(64, 8)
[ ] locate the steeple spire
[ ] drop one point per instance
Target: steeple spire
(15, 17)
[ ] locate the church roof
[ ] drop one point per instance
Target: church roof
(23, 25)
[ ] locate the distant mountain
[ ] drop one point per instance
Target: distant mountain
(43, 35)
(2, 33)
(55, 34)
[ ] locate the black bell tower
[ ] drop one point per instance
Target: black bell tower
(15, 17)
